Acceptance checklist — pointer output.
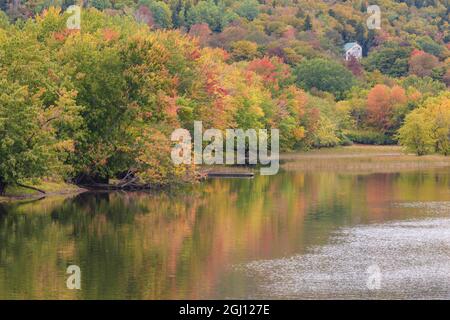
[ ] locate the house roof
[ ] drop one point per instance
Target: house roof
(350, 45)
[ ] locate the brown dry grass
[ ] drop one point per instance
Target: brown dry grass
(361, 158)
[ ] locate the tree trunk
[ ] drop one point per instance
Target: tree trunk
(31, 188)
(2, 186)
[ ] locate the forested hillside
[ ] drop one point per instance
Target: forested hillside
(102, 100)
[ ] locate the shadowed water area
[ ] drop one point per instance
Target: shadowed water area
(299, 234)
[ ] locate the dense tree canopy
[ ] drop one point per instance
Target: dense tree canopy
(427, 129)
(97, 102)
(324, 75)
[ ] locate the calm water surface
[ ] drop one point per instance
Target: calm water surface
(293, 235)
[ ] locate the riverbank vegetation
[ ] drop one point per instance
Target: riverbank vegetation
(51, 188)
(99, 103)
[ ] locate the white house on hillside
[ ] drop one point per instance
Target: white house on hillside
(352, 49)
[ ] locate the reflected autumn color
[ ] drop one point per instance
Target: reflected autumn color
(184, 244)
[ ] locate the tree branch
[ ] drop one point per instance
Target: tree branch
(32, 188)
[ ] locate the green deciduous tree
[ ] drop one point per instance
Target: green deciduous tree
(216, 16)
(161, 13)
(427, 129)
(248, 9)
(391, 60)
(325, 75)
(31, 139)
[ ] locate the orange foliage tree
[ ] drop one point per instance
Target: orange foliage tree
(382, 104)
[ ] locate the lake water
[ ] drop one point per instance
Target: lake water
(299, 234)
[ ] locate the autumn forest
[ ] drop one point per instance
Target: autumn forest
(97, 102)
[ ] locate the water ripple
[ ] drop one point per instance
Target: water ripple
(413, 258)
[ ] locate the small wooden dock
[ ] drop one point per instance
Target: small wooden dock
(220, 174)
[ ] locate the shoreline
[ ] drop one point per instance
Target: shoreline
(366, 158)
(68, 190)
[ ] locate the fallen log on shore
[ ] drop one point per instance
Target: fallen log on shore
(133, 184)
(115, 187)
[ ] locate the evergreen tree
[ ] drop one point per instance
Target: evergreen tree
(307, 25)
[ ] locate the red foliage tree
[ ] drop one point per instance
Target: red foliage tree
(143, 14)
(272, 70)
(422, 64)
(202, 32)
(354, 66)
